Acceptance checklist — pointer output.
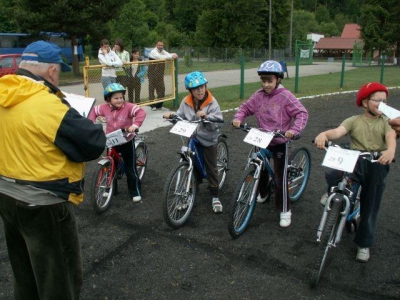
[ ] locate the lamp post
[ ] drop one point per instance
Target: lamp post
(270, 30)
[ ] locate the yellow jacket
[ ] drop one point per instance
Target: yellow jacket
(44, 142)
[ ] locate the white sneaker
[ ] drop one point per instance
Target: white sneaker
(164, 108)
(260, 199)
(105, 194)
(324, 198)
(362, 254)
(154, 108)
(137, 199)
(286, 219)
(216, 205)
(180, 207)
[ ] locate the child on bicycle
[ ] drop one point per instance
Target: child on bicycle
(122, 115)
(200, 103)
(275, 108)
(369, 132)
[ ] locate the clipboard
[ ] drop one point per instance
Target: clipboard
(81, 103)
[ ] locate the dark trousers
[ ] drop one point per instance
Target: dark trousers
(44, 250)
(280, 158)
(372, 178)
(128, 154)
(210, 162)
(134, 87)
(155, 75)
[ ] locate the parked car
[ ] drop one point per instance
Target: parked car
(9, 63)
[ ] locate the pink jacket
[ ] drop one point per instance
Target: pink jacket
(279, 110)
(119, 118)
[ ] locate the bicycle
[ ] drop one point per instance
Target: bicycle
(112, 168)
(342, 210)
(180, 190)
(244, 198)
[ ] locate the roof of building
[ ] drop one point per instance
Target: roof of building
(351, 31)
(336, 43)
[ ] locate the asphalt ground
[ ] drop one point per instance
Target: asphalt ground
(129, 252)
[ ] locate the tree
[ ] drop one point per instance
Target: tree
(322, 14)
(376, 28)
(226, 23)
(303, 23)
(132, 24)
(329, 29)
(76, 18)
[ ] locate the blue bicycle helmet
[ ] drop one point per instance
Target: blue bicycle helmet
(271, 67)
(113, 88)
(194, 80)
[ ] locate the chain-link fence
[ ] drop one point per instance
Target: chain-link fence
(147, 82)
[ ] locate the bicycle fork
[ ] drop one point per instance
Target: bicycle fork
(342, 222)
(258, 163)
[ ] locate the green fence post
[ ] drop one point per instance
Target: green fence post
(176, 84)
(382, 67)
(342, 74)
(296, 78)
(242, 77)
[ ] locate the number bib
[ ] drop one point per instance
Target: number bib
(184, 128)
(258, 138)
(341, 159)
(116, 138)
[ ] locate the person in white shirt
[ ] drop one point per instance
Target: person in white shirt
(156, 74)
(108, 57)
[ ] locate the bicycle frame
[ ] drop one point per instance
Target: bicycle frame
(114, 159)
(260, 160)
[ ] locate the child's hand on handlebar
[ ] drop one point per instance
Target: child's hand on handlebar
(201, 114)
(289, 134)
(168, 115)
(236, 123)
(320, 140)
(132, 128)
(386, 158)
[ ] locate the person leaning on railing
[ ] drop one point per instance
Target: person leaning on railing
(156, 74)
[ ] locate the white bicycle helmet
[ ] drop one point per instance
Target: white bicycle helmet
(271, 67)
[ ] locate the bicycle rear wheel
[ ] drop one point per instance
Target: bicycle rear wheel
(243, 204)
(141, 158)
(298, 172)
(222, 160)
(178, 200)
(100, 193)
(327, 240)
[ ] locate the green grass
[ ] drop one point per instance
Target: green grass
(228, 97)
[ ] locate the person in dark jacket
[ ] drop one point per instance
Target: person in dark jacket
(44, 145)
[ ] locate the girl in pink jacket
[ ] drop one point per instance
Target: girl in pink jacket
(122, 115)
(275, 108)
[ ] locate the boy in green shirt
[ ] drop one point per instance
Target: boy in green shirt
(368, 132)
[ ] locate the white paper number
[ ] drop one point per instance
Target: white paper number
(341, 159)
(184, 128)
(258, 138)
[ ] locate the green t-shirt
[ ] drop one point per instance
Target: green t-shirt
(124, 56)
(367, 134)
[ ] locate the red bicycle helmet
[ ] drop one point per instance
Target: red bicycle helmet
(368, 89)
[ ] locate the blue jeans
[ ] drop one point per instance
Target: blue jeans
(44, 250)
(106, 80)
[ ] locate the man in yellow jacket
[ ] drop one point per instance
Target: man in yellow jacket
(44, 145)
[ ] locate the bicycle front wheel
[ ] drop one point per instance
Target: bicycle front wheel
(243, 204)
(298, 172)
(179, 196)
(222, 160)
(100, 192)
(327, 241)
(141, 159)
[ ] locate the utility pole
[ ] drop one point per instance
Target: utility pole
(270, 30)
(291, 30)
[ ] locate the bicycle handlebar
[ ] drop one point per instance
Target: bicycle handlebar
(371, 156)
(176, 118)
(277, 133)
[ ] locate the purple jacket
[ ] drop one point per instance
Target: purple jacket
(279, 110)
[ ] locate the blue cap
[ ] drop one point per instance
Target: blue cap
(45, 52)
